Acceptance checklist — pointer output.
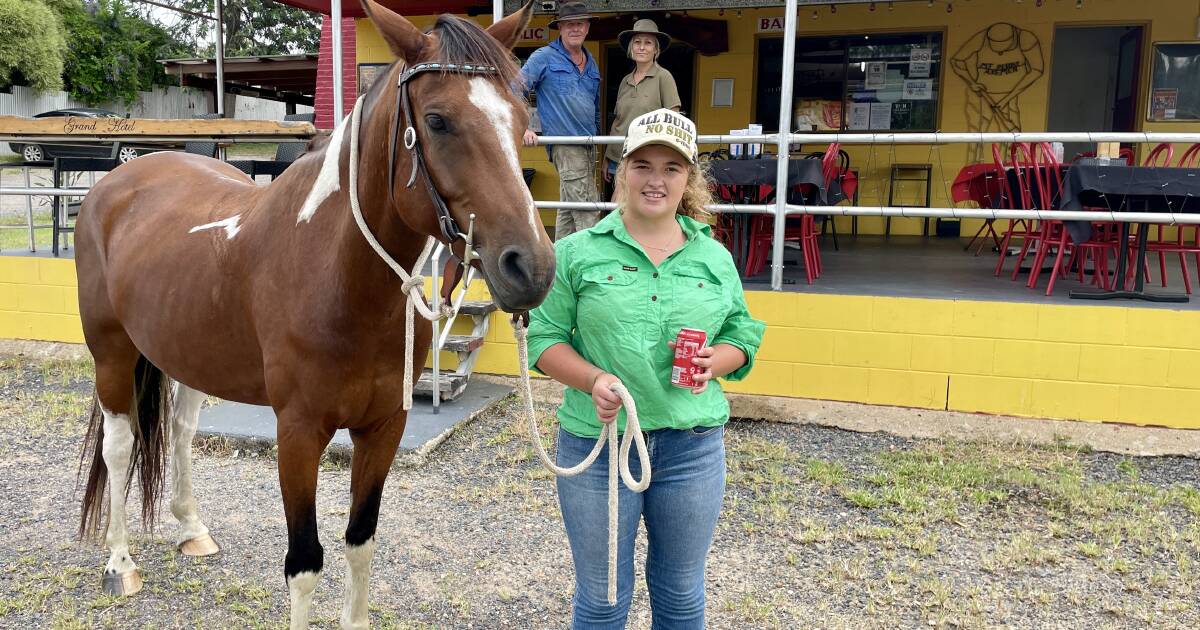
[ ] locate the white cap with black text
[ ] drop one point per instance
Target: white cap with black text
(662, 126)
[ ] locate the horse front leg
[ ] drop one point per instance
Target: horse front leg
(194, 538)
(374, 451)
(300, 448)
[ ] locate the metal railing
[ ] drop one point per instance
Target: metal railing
(783, 154)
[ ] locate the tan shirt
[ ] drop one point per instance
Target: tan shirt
(655, 91)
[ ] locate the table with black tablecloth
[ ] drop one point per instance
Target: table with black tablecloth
(753, 182)
(1121, 188)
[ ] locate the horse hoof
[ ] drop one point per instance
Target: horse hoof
(202, 545)
(122, 584)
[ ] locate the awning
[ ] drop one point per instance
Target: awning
(287, 78)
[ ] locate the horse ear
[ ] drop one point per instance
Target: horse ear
(508, 30)
(406, 41)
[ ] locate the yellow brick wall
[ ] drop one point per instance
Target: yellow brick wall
(38, 299)
(1078, 362)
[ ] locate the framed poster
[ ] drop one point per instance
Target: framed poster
(1174, 82)
(367, 73)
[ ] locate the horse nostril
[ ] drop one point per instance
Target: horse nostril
(514, 265)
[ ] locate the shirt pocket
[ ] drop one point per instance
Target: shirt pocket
(606, 295)
(561, 79)
(700, 299)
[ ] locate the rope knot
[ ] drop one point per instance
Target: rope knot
(413, 282)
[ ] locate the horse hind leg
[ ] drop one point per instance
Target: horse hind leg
(373, 455)
(185, 416)
(124, 436)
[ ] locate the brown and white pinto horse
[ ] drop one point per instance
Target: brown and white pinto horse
(194, 280)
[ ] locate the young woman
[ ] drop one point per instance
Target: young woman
(647, 88)
(622, 291)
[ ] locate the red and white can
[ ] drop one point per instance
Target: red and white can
(687, 344)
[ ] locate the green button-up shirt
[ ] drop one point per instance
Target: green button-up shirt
(618, 310)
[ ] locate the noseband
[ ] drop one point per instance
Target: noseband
(449, 227)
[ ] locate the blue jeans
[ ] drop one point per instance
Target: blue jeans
(680, 509)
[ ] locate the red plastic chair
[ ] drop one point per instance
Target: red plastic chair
(806, 233)
(1054, 234)
(1014, 200)
(1179, 245)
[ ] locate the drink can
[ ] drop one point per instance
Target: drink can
(687, 344)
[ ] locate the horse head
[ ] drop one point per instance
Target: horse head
(453, 120)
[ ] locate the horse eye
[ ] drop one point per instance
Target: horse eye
(435, 122)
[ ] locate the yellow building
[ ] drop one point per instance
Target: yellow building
(1033, 65)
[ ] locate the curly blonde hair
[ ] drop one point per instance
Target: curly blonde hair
(697, 196)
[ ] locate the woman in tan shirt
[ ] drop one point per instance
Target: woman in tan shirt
(647, 88)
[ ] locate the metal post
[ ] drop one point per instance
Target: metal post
(437, 346)
(335, 16)
(785, 126)
(497, 10)
(29, 210)
(219, 8)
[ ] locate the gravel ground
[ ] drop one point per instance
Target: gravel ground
(821, 528)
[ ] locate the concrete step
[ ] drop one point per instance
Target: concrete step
(256, 425)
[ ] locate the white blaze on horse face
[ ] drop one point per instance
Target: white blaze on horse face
(329, 180)
(231, 226)
(499, 112)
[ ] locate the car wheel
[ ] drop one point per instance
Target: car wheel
(126, 154)
(33, 153)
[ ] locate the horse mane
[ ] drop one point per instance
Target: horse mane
(462, 41)
(459, 41)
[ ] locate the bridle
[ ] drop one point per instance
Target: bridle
(450, 229)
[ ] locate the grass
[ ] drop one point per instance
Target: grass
(18, 239)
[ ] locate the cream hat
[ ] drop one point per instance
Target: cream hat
(665, 127)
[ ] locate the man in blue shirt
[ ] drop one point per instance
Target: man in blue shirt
(566, 80)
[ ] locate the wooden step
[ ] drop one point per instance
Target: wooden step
(463, 343)
(451, 384)
(476, 308)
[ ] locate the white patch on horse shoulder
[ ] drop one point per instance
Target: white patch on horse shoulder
(329, 180)
(231, 226)
(499, 112)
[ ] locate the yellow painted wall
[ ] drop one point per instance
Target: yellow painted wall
(1078, 362)
(38, 299)
(1164, 20)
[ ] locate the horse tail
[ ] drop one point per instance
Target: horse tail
(152, 401)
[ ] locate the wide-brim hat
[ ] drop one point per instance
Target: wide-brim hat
(662, 126)
(644, 27)
(571, 11)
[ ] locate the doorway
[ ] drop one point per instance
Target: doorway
(679, 59)
(1094, 81)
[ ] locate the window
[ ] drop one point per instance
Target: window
(855, 83)
(1175, 82)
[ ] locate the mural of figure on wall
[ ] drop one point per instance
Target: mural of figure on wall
(998, 64)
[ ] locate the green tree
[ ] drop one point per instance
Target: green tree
(252, 28)
(112, 53)
(32, 46)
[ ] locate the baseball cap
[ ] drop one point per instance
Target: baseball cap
(662, 126)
